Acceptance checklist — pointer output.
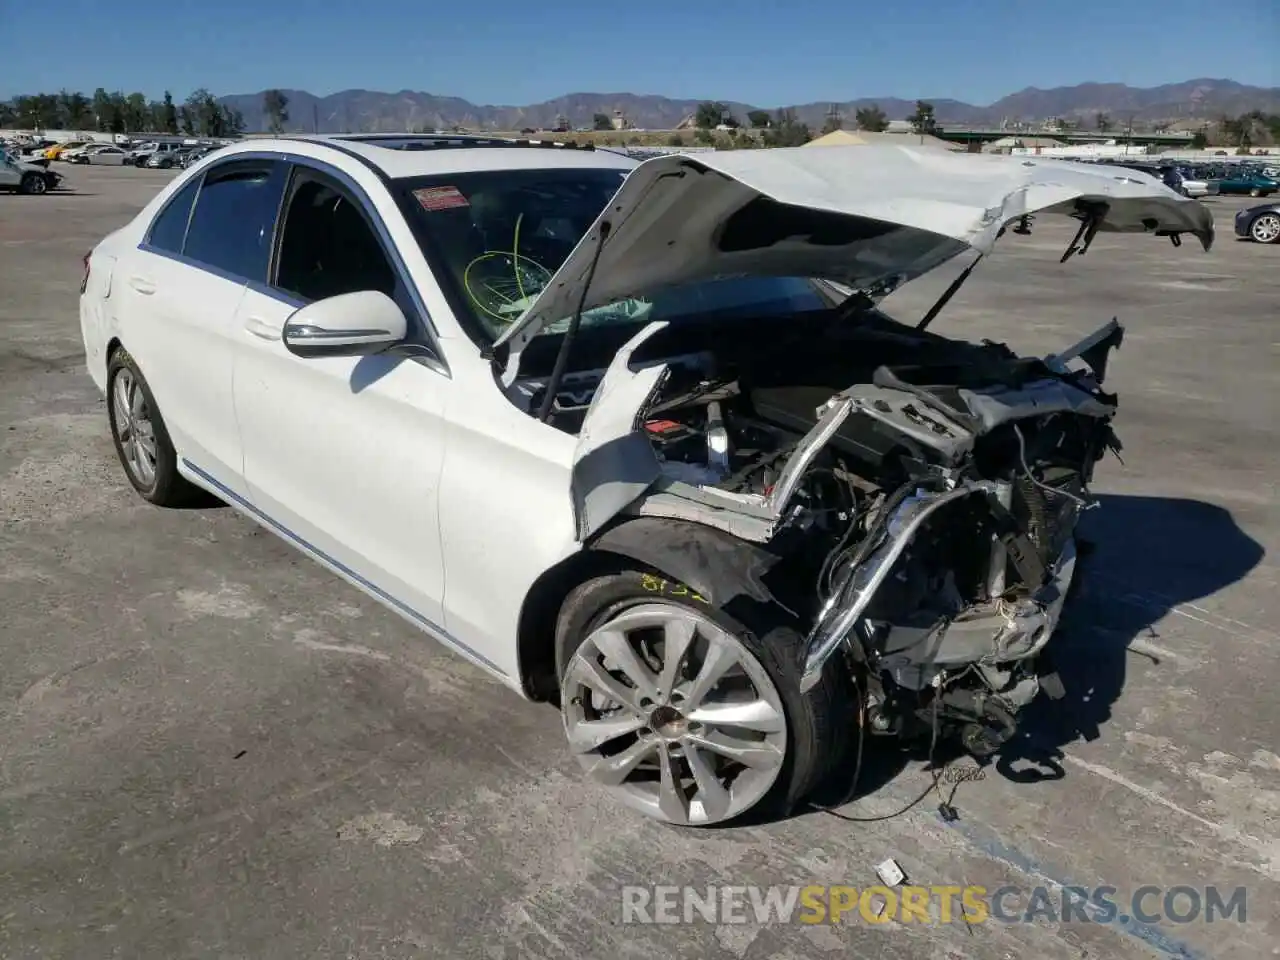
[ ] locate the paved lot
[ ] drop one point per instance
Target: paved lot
(211, 747)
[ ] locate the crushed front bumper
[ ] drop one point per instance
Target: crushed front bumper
(994, 634)
(997, 632)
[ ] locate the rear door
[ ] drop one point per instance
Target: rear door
(181, 289)
(9, 175)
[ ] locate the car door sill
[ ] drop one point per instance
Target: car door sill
(437, 632)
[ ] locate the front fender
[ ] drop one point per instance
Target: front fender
(726, 571)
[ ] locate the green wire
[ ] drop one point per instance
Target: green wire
(515, 243)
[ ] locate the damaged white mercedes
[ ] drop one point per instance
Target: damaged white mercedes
(636, 439)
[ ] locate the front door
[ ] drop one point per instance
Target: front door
(343, 454)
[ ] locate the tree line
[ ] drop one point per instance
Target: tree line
(782, 129)
(1255, 128)
(200, 115)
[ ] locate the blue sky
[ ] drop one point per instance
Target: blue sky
(524, 51)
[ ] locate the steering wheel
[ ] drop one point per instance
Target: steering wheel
(502, 284)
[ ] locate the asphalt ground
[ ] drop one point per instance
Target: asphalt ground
(210, 747)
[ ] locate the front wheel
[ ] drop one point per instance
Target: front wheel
(1266, 228)
(33, 183)
(684, 713)
(1255, 192)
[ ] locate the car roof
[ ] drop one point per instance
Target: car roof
(398, 156)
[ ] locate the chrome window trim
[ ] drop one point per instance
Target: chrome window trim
(289, 160)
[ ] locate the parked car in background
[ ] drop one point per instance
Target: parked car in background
(141, 154)
(1261, 224)
(198, 154)
(165, 159)
(105, 155)
(69, 155)
(35, 150)
(1167, 174)
(58, 149)
(1172, 178)
(18, 175)
(1197, 183)
(1247, 181)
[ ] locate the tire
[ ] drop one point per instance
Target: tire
(1265, 228)
(811, 730)
(33, 183)
(1255, 192)
(141, 438)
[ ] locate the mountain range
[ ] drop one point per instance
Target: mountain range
(371, 111)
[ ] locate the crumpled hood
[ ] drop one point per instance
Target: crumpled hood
(860, 216)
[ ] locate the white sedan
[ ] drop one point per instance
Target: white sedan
(103, 154)
(634, 438)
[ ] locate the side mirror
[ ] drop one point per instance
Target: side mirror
(348, 325)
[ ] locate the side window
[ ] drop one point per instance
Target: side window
(327, 245)
(235, 214)
(169, 229)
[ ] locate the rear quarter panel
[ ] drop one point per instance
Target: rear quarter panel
(100, 319)
(97, 324)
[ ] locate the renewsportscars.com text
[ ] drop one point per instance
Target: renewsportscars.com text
(827, 904)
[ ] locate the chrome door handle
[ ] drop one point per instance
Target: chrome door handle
(142, 285)
(260, 328)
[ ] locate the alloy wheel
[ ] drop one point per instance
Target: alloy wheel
(674, 715)
(1266, 229)
(134, 428)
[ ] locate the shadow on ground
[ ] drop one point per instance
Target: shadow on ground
(1141, 557)
(1146, 556)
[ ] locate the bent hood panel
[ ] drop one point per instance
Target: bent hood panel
(860, 216)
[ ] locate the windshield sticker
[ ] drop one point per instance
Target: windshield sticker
(441, 198)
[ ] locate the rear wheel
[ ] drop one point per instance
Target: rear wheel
(141, 439)
(33, 183)
(684, 713)
(1266, 228)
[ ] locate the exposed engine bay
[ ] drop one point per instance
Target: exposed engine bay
(880, 521)
(921, 494)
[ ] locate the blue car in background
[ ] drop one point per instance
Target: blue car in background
(1261, 223)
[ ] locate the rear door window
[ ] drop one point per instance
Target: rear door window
(169, 230)
(234, 218)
